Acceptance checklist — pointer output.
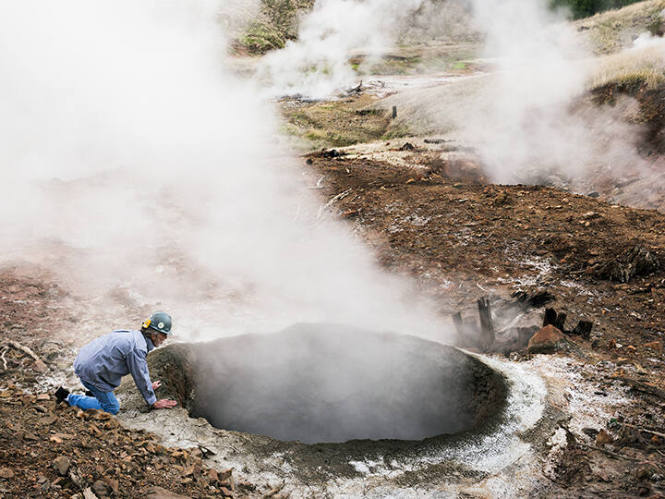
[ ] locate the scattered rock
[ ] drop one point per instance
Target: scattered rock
(644, 472)
(637, 261)
(603, 438)
(501, 199)
(6, 473)
(654, 345)
(546, 340)
(100, 488)
(228, 493)
(161, 493)
(643, 491)
(114, 484)
(89, 494)
(61, 465)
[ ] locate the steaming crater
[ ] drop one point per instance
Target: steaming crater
(319, 383)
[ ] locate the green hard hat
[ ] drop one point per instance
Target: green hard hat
(160, 322)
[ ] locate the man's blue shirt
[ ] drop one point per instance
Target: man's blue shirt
(104, 361)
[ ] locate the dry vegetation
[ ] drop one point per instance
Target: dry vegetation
(616, 29)
(276, 23)
(645, 65)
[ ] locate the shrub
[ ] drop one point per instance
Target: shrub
(586, 8)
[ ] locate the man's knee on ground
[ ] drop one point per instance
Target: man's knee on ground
(111, 407)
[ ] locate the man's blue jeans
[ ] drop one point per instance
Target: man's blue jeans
(104, 401)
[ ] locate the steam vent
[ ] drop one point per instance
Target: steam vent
(318, 383)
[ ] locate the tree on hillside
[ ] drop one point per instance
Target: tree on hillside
(585, 8)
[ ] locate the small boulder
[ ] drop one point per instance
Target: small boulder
(100, 488)
(61, 465)
(6, 473)
(654, 345)
(603, 438)
(547, 340)
(161, 493)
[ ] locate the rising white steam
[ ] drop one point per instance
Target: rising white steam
(527, 120)
(317, 65)
(140, 169)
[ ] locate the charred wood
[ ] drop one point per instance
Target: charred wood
(583, 329)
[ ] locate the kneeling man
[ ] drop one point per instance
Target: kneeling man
(103, 362)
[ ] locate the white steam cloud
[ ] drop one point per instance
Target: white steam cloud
(137, 167)
(316, 64)
(527, 119)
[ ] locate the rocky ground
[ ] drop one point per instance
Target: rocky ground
(460, 241)
(427, 211)
(48, 450)
(467, 240)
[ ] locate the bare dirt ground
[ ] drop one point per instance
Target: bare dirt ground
(58, 451)
(428, 212)
(464, 240)
(459, 240)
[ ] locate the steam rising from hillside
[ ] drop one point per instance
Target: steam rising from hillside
(316, 65)
(526, 120)
(131, 160)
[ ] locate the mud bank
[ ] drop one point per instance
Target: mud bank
(493, 402)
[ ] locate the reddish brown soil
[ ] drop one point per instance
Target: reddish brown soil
(464, 240)
(109, 459)
(459, 241)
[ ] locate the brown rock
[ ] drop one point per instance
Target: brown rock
(547, 340)
(644, 472)
(114, 484)
(603, 438)
(160, 493)
(100, 488)
(89, 494)
(654, 345)
(40, 366)
(49, 420)
(61, 465)
(6, 473)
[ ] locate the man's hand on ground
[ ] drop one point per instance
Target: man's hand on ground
(155, 385)
(164, 404)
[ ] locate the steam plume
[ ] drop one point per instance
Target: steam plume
(145, 173)
(316, 65)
